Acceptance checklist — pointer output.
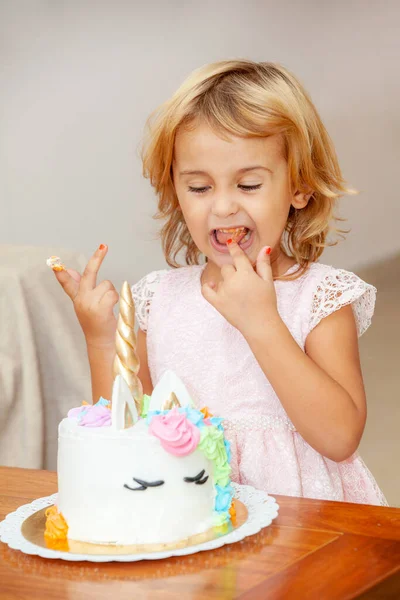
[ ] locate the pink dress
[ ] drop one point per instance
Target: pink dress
(189, 336)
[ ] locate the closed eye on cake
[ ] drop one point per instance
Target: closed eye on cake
(143, 485)
(198, 479)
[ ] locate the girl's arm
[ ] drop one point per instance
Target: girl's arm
(322, 389)
(144, 372)
(101, 359)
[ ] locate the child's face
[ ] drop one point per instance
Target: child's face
(223, 201)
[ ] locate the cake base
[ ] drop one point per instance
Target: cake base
(262, 510)
(34, 526)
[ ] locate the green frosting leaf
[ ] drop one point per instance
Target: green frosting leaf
(212, 444)
(222, 474)
(145, 406)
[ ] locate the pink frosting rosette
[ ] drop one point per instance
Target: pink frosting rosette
(177, 434)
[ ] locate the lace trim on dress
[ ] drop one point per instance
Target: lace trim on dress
(264, 422)
(143, 292)
(340, 288)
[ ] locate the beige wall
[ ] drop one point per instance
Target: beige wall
(78, 79)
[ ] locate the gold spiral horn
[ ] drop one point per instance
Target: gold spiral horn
(126, 361)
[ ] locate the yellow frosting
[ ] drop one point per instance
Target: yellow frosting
(56, 525)
(232, 512)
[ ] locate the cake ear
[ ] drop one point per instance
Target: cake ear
(169, 384)
(170, 402)
(123, 409)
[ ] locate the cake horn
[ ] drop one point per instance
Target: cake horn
(170, 402)
(126, 361)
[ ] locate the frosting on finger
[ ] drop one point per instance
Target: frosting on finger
(54, 262)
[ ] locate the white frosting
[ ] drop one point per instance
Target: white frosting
(94, 463)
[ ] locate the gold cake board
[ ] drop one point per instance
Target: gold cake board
(33, 529)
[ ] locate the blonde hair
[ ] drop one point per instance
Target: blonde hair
(249, 99)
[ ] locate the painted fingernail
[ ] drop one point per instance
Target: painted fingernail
(229, 241)
(101, 247)
(268, 250)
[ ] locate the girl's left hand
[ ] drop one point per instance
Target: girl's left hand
(245, 297)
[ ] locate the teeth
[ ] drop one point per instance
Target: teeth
(237, 234)
(232, 229)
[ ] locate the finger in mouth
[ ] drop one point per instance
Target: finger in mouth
(239, 235)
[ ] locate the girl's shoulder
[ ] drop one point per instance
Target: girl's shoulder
(325, 289)
(143, 290)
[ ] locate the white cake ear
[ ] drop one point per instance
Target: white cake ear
(169, 383)
(123, 409)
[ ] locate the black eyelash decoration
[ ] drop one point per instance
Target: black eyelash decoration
(201, 481)
(198, 479)
(144, 484)
(142, 487)
(192, 479)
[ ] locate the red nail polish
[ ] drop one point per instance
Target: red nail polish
(229, 241)
(101, 247)
(268, 250)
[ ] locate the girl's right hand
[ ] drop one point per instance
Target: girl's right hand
(93, 304)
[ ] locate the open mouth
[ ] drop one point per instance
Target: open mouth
(241, 235)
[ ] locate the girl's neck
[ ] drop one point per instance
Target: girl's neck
(280, 264)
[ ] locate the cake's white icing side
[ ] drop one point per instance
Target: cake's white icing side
(94, 463)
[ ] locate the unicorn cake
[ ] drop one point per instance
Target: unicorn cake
(140, 469)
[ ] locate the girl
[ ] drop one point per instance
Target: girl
(261, 332)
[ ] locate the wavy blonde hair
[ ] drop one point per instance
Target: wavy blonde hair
(249, 99)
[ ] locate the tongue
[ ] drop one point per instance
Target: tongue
(223, 237)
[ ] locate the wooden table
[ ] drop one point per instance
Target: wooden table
(315, 549)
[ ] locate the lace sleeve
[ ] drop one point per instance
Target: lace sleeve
(339, 288)
(142, 293)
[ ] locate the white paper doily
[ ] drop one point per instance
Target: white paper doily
(262, 509)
